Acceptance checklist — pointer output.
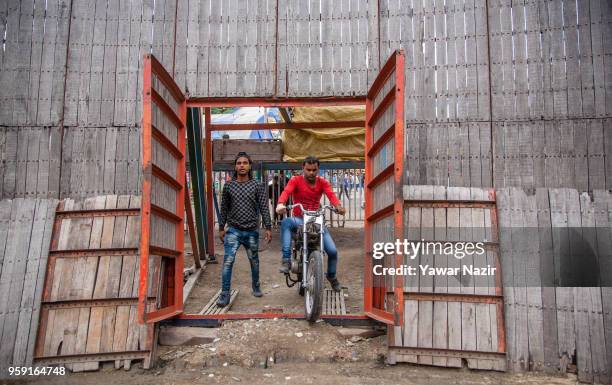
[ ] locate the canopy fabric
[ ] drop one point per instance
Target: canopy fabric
(334, 144)
(246, 115)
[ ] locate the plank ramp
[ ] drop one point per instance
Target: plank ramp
(333, 302)
(25, 234)
(211, 307)
(89, 305)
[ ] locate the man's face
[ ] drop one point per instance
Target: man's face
(242, 166)
(310, 172)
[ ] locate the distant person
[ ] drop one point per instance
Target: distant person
(275, 187)
(346, 181)
(242, 201)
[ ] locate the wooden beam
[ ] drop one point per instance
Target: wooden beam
(277, 102)
(285, 114)
(287, 126)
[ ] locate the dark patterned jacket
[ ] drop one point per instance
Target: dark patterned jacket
(241, 204)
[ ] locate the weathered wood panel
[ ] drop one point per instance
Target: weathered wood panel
(25, 235)
(555, 246)
(455, 317)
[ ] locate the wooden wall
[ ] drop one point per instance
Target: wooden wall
(499, 92)
(549, 327)
(557, 317)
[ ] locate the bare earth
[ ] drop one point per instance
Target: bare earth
(289, 352)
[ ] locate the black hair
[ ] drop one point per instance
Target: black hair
(311, 160)
(239, 155)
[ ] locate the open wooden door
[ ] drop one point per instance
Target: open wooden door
(383, 294)
(163, 190)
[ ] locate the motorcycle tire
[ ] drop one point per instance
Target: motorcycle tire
(313, 298)
(300, 287)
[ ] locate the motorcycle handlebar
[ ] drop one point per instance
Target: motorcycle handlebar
(330, 207)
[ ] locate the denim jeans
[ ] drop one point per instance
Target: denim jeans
(233, 239)
(290, 225)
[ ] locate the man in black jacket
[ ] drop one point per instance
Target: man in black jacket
(242, 201)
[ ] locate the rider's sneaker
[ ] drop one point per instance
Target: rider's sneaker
(335, 284)
(224, 299)
(285, 267)
(257, 291)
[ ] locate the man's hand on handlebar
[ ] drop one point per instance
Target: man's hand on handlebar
(340, 210)
(281, 209)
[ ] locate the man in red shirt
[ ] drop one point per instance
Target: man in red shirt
(307, 189)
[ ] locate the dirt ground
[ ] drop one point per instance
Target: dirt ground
(277, 296)
(289, 352)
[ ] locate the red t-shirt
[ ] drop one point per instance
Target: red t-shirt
(309, 196)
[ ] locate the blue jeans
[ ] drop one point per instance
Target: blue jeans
(290, 225)
(233, 239)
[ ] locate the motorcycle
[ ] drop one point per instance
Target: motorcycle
(307, 260)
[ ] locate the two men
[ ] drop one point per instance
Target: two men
(242, 201)
(307, 189)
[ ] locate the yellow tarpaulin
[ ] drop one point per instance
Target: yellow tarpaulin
(334, 144)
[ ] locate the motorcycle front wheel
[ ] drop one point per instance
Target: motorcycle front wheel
(313, 295)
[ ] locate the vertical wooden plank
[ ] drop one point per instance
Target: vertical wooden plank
(123, 326)
(31, 165)
(558, 61)
(564, 294)
(9, 264)
(43, 52)
(596, 154)
(606, 18)
(584, 48)
(40, 278)
(596, 8)
(124, 32)
(580, 212)
(82, 33)
(533, 284)
(97, 64)
(535, 60)
(23, 136)
(98, 315)
(471, 61)
(601, 323)
(22, 60)
(42, 183)
(412, 229)
(454, 285)
(14, 284)
(440, 308)
(28, 304)
(39, 33)
(425, 321)
(549, 313)
(505, 210)
(450, 82)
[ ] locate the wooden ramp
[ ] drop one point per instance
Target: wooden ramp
(211, 307)
(333, 302)
(25, 234)
(89, 305)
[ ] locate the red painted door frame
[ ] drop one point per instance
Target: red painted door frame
(373, 305)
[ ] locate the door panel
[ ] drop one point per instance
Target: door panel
(383, 294)
(163, 191)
